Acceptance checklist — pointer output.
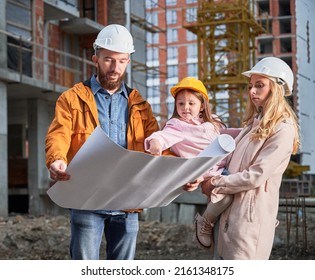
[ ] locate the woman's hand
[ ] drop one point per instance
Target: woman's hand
(207, 187)
(190, 187)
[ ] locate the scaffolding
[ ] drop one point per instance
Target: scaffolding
(226, 32)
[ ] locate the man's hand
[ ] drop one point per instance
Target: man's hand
(58, 171)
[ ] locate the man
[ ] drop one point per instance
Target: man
(103, 100)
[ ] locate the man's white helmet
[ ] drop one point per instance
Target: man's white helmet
(276, 68)
(115, 37)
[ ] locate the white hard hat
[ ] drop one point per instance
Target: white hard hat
(276, 68)
(115, 37)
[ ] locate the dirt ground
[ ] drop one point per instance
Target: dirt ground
(47, 238)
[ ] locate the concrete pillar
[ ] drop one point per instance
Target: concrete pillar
(3, 151)
(38, 182)
(3, 119)
(3, 38)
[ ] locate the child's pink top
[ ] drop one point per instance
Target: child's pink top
(187, 139)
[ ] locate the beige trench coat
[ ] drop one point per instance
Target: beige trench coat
(247, 226)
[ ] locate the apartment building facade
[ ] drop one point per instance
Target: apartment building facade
(288, 33)
(171, 51)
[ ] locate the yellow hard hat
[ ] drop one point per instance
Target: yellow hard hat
(190, 83)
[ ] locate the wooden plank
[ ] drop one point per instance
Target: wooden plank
(20, 191)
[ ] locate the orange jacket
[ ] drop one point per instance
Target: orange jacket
(76, 117)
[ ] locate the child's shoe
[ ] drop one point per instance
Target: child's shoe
(204, 231)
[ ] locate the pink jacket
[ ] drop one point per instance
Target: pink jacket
(247, 226)
(187, 139)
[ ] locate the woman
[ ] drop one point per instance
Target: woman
(263, 151)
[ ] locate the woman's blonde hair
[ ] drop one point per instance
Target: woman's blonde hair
(206, 114)
(276, 110)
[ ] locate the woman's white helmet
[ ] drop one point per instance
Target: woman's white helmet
(115, 37)
(275, 68)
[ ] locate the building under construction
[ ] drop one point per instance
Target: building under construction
(46, 47)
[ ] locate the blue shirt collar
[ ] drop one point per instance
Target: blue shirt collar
(96, 87)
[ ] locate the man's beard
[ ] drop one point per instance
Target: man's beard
(108, 84)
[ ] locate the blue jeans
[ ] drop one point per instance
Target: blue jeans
(87, 228)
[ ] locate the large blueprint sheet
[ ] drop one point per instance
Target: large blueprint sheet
(107, 176)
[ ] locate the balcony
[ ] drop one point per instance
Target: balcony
(40, 69)
(59, 9)
(80, 26)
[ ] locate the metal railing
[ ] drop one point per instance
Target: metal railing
(44, 63)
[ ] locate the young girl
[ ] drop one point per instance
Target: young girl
(190, 130)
